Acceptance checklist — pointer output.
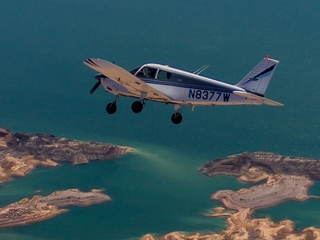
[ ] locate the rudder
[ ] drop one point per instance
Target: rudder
(258, 79)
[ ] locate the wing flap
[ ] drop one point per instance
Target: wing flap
(256, 97)
(119, 75)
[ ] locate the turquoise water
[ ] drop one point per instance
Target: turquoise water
(45, 88)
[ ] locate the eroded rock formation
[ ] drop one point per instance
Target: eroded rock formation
(22, 152)
(40, 208)
(257, 166)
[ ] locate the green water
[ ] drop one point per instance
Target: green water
(45, 88)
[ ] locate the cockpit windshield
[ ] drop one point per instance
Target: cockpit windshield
(134, 71)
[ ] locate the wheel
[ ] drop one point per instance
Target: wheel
(137, 106)
(176, 118)
(111, 108)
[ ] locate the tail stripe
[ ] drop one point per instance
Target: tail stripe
(265, 73)
(258, 79)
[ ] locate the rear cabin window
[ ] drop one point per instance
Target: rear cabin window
(163, 76)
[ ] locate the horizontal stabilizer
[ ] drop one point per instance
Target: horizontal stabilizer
(256, 97)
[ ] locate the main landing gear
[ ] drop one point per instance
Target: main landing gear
(137, 106)
(112, 107)
(176, 118)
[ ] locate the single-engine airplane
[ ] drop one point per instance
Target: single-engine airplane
(162, 83)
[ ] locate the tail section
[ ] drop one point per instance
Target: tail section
(259, 78)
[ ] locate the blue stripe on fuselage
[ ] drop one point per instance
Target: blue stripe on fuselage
(182, 85)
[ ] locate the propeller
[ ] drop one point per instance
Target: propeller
(94, 88)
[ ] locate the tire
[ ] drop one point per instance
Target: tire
(176, 118)
(111, 108)
(137, 106)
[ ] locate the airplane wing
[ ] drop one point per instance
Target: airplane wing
(121, 76)
(256, 97)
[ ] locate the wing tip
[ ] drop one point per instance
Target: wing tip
(90, 62)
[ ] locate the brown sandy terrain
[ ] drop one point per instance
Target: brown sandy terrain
(241, 226)
(39, 208)
(20, 153)
(288, 178)
(279, 188)
(254, 167)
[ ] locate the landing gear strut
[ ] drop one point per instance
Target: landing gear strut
(176, 118)
(112, 107)
(137, 106)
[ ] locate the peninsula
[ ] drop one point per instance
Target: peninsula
(40, 208)
(20, 153)
(278, 179)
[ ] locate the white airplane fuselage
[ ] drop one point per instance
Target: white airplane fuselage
(185, 89)
(161, 83)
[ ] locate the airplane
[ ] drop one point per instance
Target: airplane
(162, 83)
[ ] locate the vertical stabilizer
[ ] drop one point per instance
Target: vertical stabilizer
(259, 78)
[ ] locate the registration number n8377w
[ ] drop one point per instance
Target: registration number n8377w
(208, 95)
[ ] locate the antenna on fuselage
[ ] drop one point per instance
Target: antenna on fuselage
(200, 70)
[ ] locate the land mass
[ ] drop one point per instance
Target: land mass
(20, 153)
(254, 167)
(285, 178)
(40, 208)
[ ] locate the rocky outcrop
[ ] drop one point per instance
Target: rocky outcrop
(257, 166)
(277, 189)
(40, 208)
(22, 152)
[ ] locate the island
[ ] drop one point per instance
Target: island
(40, 208)
(278, 179)
(21, 152)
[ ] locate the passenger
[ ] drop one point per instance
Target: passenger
(152, 73)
